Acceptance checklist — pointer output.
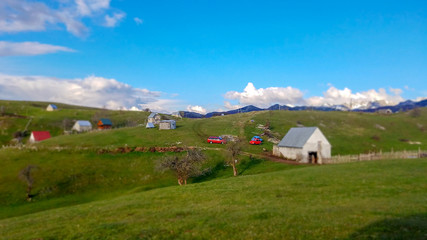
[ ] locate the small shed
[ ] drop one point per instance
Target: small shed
(104, 123)
(82, 126)
(154, 118)
(385, 111)
(304, 144)
(167, 125)
(37, 136)
(51, 107)
(150, 125)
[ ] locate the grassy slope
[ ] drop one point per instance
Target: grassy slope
(348, 132)
(18, 114)
(72, 177)
(379, 199)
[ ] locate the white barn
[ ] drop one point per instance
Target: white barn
(82, 126)
(167, 124)
(304, 144)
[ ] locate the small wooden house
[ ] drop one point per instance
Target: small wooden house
(37, 136)
(82, 126)
(105, 123)
(304, 144)
(167, 125)
(51, 107)
(154, 118)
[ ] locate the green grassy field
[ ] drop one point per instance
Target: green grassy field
(364, 200)
(81, 193)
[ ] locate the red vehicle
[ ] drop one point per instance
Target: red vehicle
(214, 139)
(255, 141)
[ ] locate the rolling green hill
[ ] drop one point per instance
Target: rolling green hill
(73, 175)
(364, 200)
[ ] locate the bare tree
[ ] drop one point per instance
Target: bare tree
(184, 166)
(234, 148)
(26, 176)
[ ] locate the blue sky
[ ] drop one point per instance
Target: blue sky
(210, 55)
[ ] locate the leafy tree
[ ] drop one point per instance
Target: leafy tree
(234, 148)
(26, 176)
(184, 166)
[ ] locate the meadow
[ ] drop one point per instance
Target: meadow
(364, 200)
(83, 192)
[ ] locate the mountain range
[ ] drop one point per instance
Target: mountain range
(369, 107)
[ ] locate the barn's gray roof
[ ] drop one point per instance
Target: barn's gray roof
(152, 115)
(53, 106)
(84, 123)
(149, 125)
(297, 137)
(167, 121)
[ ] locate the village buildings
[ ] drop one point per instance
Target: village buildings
(167, 124)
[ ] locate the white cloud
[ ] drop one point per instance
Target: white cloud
(138, 21)
(29, 48)
(112, 21)
(197, 109)
(334, 96)
(230, 106)
(24, 15)
(90, 91)
(265, 97)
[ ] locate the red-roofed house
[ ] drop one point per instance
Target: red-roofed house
(38, 136)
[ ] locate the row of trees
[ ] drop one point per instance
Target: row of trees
(190, 165)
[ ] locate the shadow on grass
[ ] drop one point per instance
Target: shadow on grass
(248, 164)
(210, 174)
(409, 227)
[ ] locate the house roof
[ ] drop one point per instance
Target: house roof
(84, 123)
(53, 106)
(297, 137)
(106, 121)
(152, 115)
(40, 135)
(149, 125)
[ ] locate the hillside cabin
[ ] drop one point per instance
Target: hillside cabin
(104, 123)
(82, 126)
(167, 125)
(51, 107)
(150, 125)
(37, 136)
(154, 118)
(304, 144)
(385, 111)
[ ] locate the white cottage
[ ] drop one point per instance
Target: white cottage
(154, 118)
(82, 126)
(51, 107)
(304, 144)
(167, 124)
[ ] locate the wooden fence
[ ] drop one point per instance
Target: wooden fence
(375, 156)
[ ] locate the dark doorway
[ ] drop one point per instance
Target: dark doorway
(312, 157)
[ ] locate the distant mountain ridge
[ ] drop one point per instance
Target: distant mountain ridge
(369, 107)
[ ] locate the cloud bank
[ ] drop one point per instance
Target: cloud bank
(24, 15)
(29, 48)
(90, 91)
(197, 109)
(265, 97)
